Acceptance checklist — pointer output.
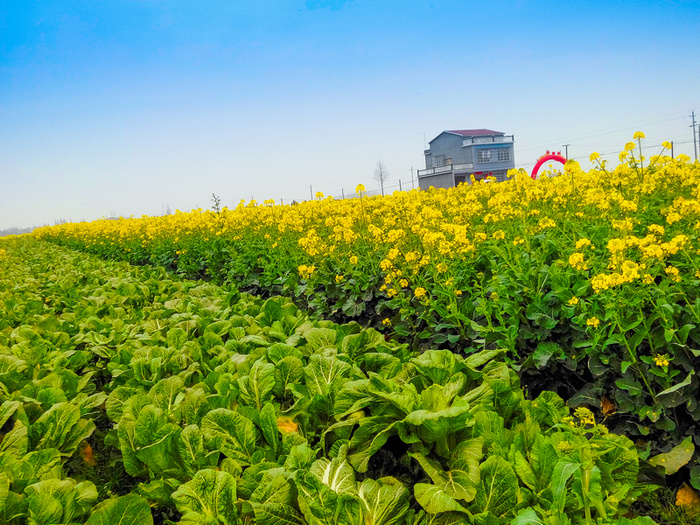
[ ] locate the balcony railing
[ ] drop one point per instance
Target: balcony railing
(488, 140)
(447, 168)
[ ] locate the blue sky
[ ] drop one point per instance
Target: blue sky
(132, 106)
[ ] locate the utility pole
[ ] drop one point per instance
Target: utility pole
(311, 191)
(566, 155)
(695, 138)
(399, 184)
(672, 149)
(413, 185)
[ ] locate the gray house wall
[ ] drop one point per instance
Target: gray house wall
(442, 180)
(450, 146)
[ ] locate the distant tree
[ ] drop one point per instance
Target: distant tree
(216, 202)
(14, 231)
(381, 174)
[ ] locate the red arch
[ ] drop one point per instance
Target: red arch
(547, 157)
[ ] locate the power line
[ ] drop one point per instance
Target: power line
(608, 131)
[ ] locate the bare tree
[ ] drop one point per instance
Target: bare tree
(216, 203)
(381, 174)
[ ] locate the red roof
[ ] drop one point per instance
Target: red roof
(474, 132)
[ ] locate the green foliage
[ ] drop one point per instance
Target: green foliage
(125, 510)
(222, 408)
(588, 281)
(208, 498)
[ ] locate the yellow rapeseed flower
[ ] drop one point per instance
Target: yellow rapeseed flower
(545, 223)
(661, 360)
(306, 271)
(638, 135)
(673, 273)
(577, 262)
(656, 229)
(386, 264)
(594, 322)
(585, 416)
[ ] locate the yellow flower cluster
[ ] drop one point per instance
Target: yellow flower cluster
(545, 223)
(585, 416)
(673, 273)
(583, 243)
(306, 271)
(594, 322)
(661, 360)
(630, 272)
(576, 260)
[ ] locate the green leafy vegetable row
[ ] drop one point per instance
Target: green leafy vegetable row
(128, 396)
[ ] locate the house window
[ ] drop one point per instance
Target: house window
(503, 155)
(483, 155)
(438, 160)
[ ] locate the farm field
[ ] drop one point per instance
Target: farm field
(128, 395)
(532, 359)
(587, 281)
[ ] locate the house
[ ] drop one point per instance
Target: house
(455, 155)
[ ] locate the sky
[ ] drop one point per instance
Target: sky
(136, 107)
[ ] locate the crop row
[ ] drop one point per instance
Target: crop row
(588, 281)
(127, 394)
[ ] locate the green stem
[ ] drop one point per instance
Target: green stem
(586, 482)
(586, 499)
(646, 327)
